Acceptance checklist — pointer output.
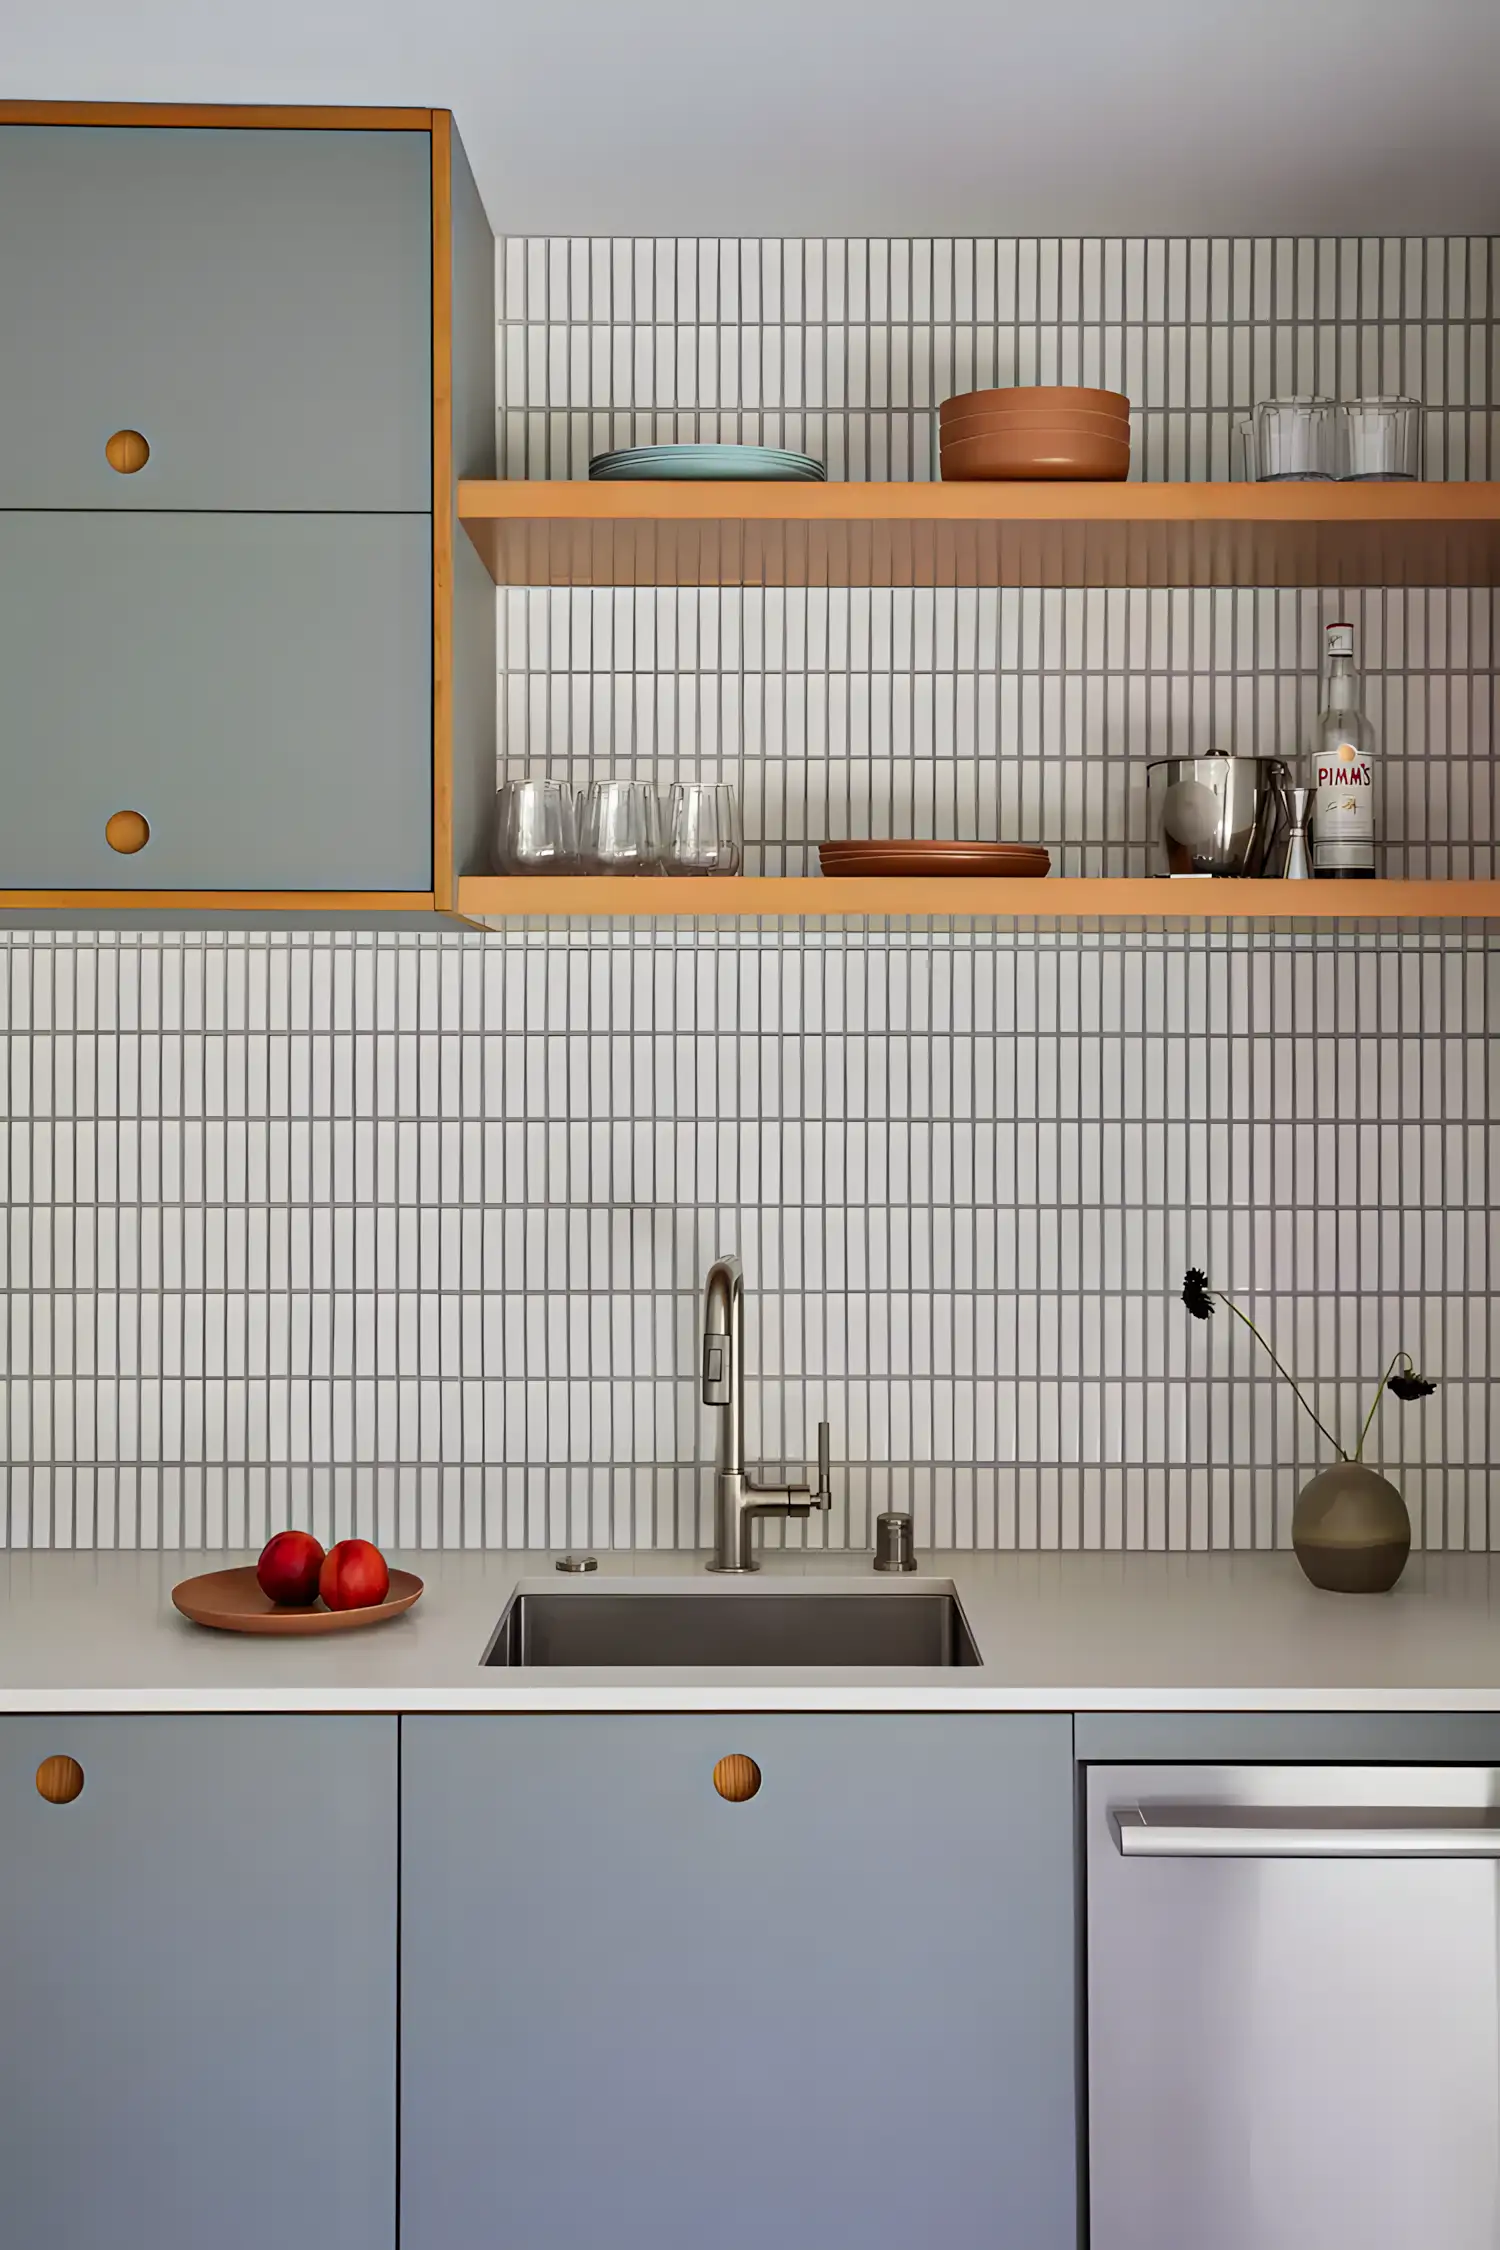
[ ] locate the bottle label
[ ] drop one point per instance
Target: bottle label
(1344, 809)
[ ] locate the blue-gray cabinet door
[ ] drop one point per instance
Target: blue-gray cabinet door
(258, 688)
(198, 1985)
(256, 305)
(839, 2016)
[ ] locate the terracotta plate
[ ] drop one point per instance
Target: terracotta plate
(900, 863)
(232, 1602)
(950, 859)
(952, 868)
(930, 847)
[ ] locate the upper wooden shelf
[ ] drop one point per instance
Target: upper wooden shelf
(544, 534)
(1123, 899)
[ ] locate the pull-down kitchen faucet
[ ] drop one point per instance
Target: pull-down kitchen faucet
(736, 1499)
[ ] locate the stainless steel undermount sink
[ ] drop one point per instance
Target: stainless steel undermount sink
(908, 1625)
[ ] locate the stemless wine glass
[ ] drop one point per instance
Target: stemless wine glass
(1295, 440)
(620, 829)
(703, 829)
(1380, 440)
(536, 828)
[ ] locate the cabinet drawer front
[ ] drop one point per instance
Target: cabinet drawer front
(255, 305)
(257, 689)
(198, 1984)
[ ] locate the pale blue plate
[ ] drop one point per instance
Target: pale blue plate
(708, 464)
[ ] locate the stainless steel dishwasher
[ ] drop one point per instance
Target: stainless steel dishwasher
(1293, 2007)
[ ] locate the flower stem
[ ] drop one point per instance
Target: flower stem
(1285, 1373)
(1396, 1357)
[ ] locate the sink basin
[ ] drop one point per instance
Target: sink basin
(704, 1626)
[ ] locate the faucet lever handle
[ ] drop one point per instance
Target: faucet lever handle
(823, 1491)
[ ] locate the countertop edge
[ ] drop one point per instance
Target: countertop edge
(616, 1696)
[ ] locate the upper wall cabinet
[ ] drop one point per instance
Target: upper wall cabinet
(245, 354)
(254, 305)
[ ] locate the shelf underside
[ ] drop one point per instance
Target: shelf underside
(649, 534)
(501, 898)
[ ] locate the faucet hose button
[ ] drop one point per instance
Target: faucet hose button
(715, 1369)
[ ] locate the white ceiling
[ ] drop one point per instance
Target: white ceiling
(862, 116)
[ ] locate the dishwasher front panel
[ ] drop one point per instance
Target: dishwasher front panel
(1293, 2007)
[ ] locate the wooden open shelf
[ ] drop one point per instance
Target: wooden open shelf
(649, 534)
(500, 898)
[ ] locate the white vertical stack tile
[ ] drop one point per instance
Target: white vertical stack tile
(406, 1235)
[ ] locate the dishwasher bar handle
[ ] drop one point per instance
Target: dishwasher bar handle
(1321, 1832)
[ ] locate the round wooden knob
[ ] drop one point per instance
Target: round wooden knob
(127, 451)
(737, 1778)
(127, 831)
(59, 1780)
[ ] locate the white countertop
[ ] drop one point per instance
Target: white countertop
(1097, 1632)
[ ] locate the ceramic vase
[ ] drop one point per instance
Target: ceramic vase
(1351, 1531)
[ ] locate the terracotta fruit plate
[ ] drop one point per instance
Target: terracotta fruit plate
(232, 1602)
(922, 858)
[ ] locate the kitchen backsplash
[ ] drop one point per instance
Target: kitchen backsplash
(844, 349)
(845, 712)
(879, 712)
(407, 1234)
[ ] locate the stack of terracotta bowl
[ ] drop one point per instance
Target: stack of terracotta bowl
(1039, 431)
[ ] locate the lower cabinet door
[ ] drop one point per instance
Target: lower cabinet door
(837, 2014)
(255, 689)
(197, 1984)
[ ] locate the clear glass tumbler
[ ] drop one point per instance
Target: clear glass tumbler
(1296, 440)
(1380, 440)
(536, 828)
(703, 829)
(620, 829)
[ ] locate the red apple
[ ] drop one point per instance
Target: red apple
(353, 1575)
(288, 1569)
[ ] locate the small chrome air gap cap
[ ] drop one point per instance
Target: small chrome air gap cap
(895, 1544)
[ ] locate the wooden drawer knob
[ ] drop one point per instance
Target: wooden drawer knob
(127, 451)
(127, 831)
(736, 1778)
(59, 1780)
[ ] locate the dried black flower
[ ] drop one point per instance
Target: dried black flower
(1411, 1385)
(1196, 1294)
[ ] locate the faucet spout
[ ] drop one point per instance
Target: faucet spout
(737, 1500)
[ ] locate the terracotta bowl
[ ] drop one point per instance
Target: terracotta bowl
(1026, 454)
(1021, 411)
(1028, 398)
(1001, 425)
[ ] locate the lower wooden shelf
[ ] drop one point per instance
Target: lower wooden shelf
(501, 898)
